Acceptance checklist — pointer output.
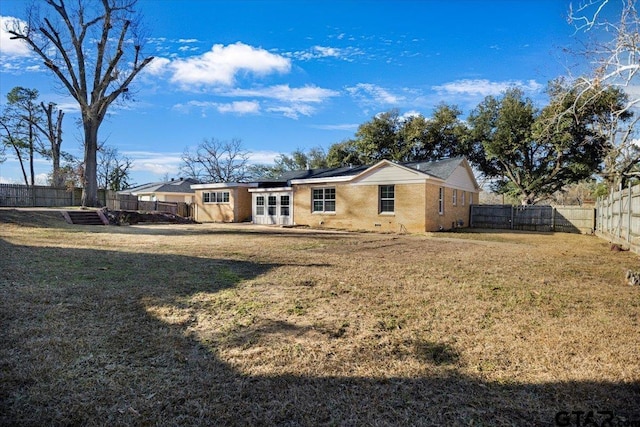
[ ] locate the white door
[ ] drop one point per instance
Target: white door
(272, 208)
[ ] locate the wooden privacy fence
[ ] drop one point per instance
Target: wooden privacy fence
(618, 217)
(128, 202)
(17, 195)
(567, 219)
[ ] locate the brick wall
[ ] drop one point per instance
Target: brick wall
(416, 208)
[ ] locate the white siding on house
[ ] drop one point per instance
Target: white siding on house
(390, 174)
(462, 179)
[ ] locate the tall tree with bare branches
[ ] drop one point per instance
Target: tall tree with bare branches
(113, 169)
(615, 57)
(217, 161)
(52, 130)
(94, 73)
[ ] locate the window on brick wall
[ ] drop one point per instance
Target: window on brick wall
(324, 200)
(441, 201)
(387, 198)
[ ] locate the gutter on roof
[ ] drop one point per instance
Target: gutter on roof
(269, 189)
(217, 185)
(321, 180)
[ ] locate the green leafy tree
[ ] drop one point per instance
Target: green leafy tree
(533, 153)
(383, 138)
(408, 138)
(344, 153)
(443, 135)
(314, 158)
(94, 50)
(11, 138)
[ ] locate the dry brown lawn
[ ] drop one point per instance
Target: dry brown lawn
(242, 325)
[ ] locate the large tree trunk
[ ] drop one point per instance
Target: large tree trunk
(56, 176)
(53, 131)
(90, 182)
(32, 171)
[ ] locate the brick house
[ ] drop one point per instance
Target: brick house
(391, 197)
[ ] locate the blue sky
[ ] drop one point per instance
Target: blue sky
(286, 75)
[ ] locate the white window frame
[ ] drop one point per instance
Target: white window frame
(260, 206)
(382, 199)
(455, 197)
(323, 200)
(463, 197)
(272, 205)
(285, 208)
(216, 197)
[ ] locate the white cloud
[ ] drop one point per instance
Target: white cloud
(409, 114)
(41, 179)
(484, 87)
(236, 107)
(187, 49)
(340, 127)
(312, 94)
(157, 163)
(373, 94)
(4, 180)
(293, 111)
(290, 102)
(240, 107)
(262, 157)
(281, 99)
(221, 65)
(7, 45)
(157, 66)
(317, 52)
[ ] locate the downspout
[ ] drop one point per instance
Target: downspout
(235, 205)
(293, 198)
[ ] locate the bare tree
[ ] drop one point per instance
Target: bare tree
(615, 59)
(113, 169)
(52, 130)
(217, 161)
(622, 158)
(94, 73)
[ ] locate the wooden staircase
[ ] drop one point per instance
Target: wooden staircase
(88, 217)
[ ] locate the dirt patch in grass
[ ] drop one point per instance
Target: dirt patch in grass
(214, 324)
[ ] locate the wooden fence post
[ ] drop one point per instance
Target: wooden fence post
(512, 216)
(471, 216)
(629, 215)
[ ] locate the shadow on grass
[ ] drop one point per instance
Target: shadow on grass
(79, 347)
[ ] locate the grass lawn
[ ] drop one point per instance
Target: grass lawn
(240, 325)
